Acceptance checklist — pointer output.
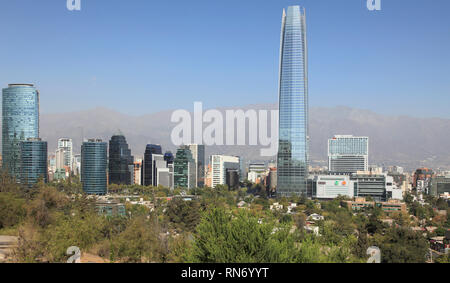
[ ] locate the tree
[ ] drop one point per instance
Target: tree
(12, 210)
(184, 215)
(221, 237)
(402, 245)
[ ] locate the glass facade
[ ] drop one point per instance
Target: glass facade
(33, 161)
(20, 114)
(348, 154)
(184, 169)
(147, 172)
(293, 105)
(93, 167)
(120, 159)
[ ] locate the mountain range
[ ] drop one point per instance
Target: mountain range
(406, 141)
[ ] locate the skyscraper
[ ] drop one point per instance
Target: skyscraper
(33, 161)
(348, 154)
(147, 172)
(293, 105)
(198, 153)
(120, 160)
(219, 166)
(20, 113)
(66, 145)
(93, 166)
(184, 171)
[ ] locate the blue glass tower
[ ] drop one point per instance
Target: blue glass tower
(293, 105)
(20, 113)
(33, 161)
(120, 160)
(93, 167)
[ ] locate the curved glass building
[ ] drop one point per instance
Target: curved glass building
(20, 113)
(293, 105)
(93, 167)
(120, 160)
(33, 161)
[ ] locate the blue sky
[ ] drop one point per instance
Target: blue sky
(142, 56)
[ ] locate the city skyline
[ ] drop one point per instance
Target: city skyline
(98, 67)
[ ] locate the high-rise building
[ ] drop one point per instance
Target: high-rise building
(138, 171)
(293, 105)
(348, 154)
(159, 164)
(147, 171)
(93, 166)
(232, 178)
(33, 161)
(168, 157)
(198, 153)
(65, 144)
(219, 165)
(120, 160)
(20, 121)
(184, 169)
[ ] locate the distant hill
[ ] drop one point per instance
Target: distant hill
(394, 140)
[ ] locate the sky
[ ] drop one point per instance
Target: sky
(144, 56)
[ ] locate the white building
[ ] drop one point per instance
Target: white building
(66, 145)
(198, 153)
(332, 186)
(219, 166)
(348, 154)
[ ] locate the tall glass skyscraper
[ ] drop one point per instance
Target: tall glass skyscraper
(293, 104)
(147, 172)
(33, 161)
(93, 167)
(185, 170)
(20, 113)
(120, 160)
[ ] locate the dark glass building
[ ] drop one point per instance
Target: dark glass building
(93, 167)
(147, 172)
(232, 179)
(33, 161)
(20, 114)
(292, 160)
(120, 160)
(184, 171)
(168, 157)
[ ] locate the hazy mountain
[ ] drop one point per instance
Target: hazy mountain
(394, 140)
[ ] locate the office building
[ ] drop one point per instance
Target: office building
(138, 171)
(332, 186)
(255, 172)
(159, 165)
(94, 166)
(184, 169)
(66, 145)
(33, 161)
(20, 121)
(219, 165)
(147, 170)
(440, 185)
(232, 178)
(422, 179)
(121, 162)
(348, 154)
(379, 187)
(198, 153)
(292, 160)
